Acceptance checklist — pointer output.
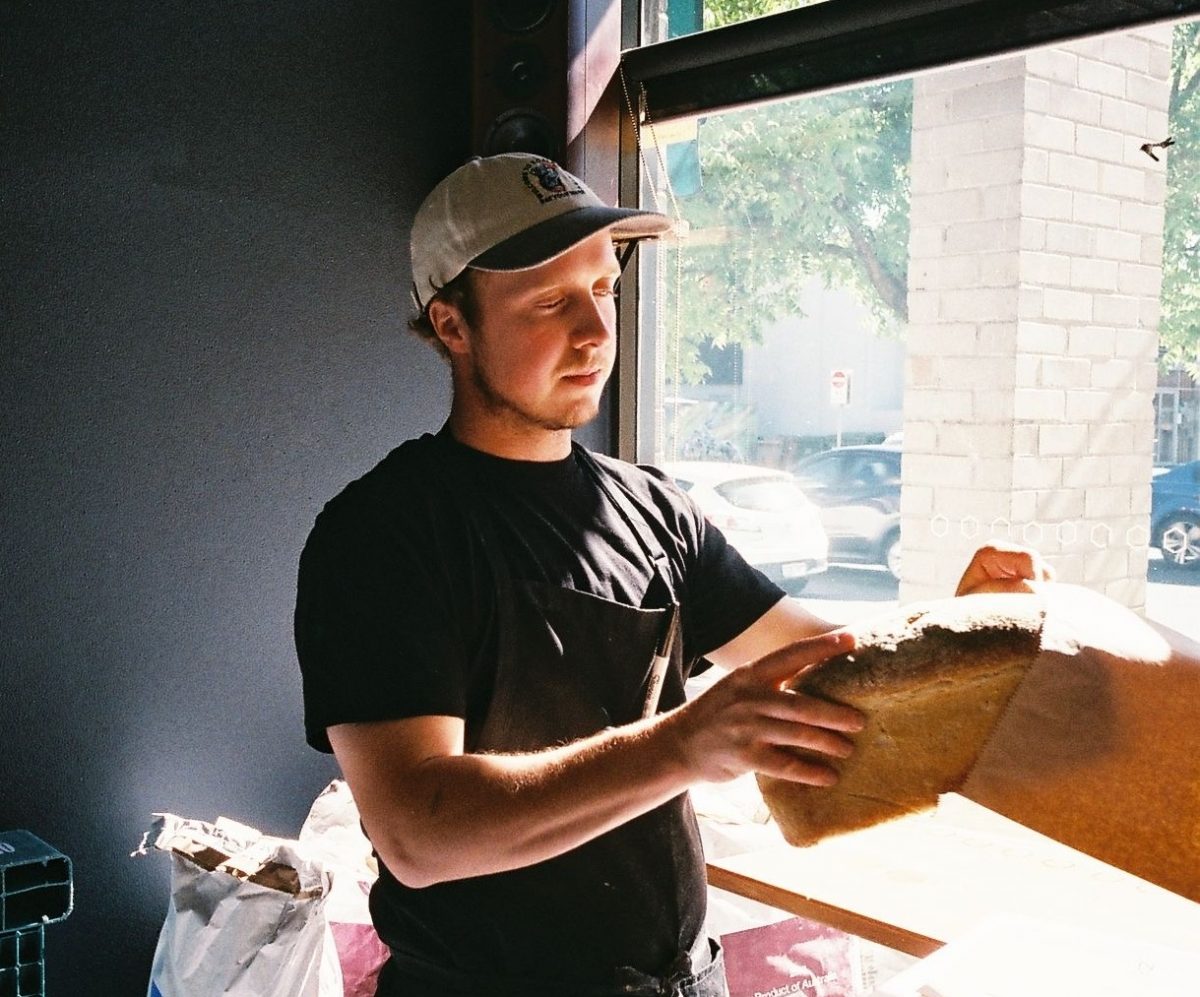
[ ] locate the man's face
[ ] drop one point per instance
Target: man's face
(542, 346)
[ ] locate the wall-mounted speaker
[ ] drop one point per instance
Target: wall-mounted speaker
(519, 85)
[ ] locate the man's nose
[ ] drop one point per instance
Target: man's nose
(595, 321)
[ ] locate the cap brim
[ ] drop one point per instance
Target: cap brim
(547, 240)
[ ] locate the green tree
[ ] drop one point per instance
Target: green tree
(797, 190)
(819, 188)
(718, 13)
(1179, 327)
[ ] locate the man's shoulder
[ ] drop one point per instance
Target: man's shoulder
(643, 480)
(403, 482)
(646, 475)
(656, 494)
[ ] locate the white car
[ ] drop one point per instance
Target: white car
(762, 512)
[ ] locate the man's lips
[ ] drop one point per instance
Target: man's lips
(585, 378)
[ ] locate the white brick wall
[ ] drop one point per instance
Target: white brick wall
(1091, 341)
(1078, 239)
(1066, 169)
(1034, 275)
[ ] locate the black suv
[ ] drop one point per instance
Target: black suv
(858, 492)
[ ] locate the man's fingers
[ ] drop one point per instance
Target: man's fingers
(781, 665)
(814, 736)
(784, 764)
(748, 722)
(796, 708)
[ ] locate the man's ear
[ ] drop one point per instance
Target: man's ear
(450, 326)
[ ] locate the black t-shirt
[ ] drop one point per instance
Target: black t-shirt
(396, 605)
(397, 616)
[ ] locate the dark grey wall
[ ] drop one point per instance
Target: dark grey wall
(203, 209)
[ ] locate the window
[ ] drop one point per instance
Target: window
(991, 265)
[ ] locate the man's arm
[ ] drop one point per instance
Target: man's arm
(784, 623)
(994, 567)
(435, 813)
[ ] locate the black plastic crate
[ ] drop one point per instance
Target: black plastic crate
(35, 883)
(23, 963)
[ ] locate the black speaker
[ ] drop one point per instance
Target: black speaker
(519, 85)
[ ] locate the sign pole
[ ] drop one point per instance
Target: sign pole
(839, 396)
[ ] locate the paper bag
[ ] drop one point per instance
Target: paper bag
(246, 917)
(1099, 747)
(332, 833)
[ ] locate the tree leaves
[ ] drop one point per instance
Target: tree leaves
(818, 188)
(1179, 325)
(803, 189)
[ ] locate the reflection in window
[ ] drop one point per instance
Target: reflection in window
(996, 264)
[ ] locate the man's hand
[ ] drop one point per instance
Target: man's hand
(747, 721)
(1003, 567)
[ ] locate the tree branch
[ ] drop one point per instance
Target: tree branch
(891, 291)
(833, 249)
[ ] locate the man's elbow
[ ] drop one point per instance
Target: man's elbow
(410, 865)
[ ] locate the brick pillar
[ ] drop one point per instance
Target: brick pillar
(1034, 273)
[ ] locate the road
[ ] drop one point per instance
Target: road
(1173, 597)
(845, 593)
(852, 592)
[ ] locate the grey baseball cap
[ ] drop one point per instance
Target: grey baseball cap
(513, 211)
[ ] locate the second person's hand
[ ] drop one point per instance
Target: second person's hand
(1004, 567)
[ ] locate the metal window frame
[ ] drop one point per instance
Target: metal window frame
(841, 43)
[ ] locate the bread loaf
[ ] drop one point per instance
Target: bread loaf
(932, 679)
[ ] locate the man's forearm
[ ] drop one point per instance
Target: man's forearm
(474, 814)
(784, 623)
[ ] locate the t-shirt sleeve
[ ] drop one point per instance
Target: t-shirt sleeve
(725, 593)
(722, 594)
(373, 629)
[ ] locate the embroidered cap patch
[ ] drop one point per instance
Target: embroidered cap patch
(548, 182)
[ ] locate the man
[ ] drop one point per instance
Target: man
(477, 619)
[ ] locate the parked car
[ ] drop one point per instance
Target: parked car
(857, 490)
(762, 512)
(1175, 514)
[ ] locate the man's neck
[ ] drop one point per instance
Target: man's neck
(499, 439)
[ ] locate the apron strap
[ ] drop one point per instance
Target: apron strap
(634, 519)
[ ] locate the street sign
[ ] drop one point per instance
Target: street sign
(839, 387)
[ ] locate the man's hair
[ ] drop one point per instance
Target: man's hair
(459, 292)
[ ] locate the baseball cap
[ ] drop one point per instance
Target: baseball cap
(512, 211)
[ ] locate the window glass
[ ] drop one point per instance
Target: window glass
(990, 268)
(764, 495)
(663, 19)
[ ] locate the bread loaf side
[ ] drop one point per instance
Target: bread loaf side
(932, 679)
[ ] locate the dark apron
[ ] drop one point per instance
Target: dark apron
(570, 664)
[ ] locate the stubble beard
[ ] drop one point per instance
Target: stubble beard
(515, 413)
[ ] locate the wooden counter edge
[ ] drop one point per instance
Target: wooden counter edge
(869, 928)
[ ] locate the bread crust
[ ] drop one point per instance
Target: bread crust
(932, 679)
